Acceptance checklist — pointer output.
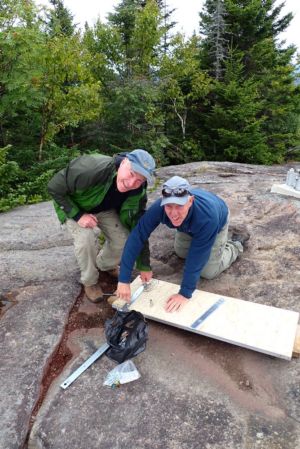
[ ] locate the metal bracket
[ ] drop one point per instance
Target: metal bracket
(102, 348)
(207, 313)
(134, 297)
(85, 366)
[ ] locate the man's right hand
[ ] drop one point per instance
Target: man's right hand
(123, 291)
(87, 221)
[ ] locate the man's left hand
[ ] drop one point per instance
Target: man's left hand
(146, 276)
(175, 303)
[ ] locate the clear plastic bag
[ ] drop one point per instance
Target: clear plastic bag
(121, 374)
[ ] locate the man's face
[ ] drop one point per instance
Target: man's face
(176, 213)
(127, 179)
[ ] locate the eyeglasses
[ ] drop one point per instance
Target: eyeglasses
(179, 192)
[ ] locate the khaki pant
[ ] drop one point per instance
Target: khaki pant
(87, 246)
(223, 253)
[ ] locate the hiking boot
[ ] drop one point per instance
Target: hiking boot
(114, 272)
(239, 234)
(93, 293)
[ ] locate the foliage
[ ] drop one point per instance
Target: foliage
(235, 119)
(18, 187)
(20, 41)
(68, 92)
(252, 115)
(126, 59)
(232, 94)
(60, 20)
(132, 116)
(144, 49)
(183, 83)
(10, 176)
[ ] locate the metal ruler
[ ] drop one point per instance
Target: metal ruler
(101, 350)
(207, 313)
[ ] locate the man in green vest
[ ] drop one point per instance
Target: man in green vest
(97, 193)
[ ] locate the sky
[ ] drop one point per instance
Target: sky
(186, 14)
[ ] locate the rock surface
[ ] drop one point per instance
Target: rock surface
(193, 392)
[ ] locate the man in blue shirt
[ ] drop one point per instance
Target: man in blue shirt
(201, 220)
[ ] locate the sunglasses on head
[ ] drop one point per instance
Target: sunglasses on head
(179, 192)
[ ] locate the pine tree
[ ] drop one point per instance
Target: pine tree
(124, 19)
(60, 19)
(235, 120)
(126, 58)
(247, 31)
(166, 13)
(215, 46)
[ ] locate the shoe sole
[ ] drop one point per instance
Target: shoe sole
(95, 301)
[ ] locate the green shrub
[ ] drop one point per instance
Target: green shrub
(19, 187)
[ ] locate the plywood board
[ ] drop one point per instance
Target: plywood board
(262, 328)
(283, 189)
(296, 350)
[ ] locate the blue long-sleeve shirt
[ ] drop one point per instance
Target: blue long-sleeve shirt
(206, 217)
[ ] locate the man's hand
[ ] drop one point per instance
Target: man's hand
(88, 221)
(123, 291)
(146, 276)
(175, 303)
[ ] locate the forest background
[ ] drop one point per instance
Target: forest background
(230, 92)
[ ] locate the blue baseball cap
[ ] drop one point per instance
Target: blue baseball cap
(175, 191)
(143, 163)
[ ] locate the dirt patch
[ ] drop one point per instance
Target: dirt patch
(7, 301)
(83, 316)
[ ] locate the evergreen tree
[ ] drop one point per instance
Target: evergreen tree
(124, 20)
(215, 45)
(145, 46)
(131, 18)
(127, 59)
(247, 30)
(168, 23)
(60, 19)
(235, 120)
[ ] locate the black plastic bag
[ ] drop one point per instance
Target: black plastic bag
(126, 333)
